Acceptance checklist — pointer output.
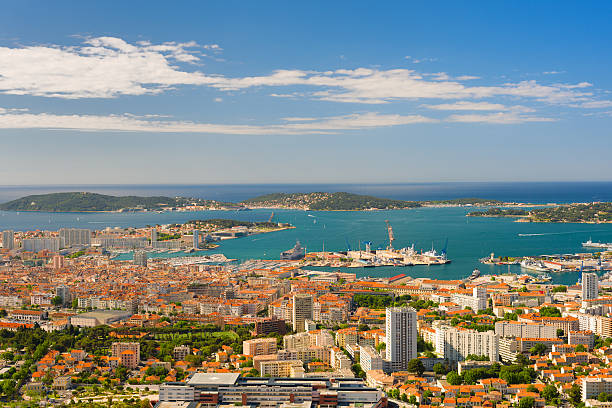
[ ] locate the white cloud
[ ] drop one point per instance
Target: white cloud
(103, 67)
(107, 67)
(594, 104)
(150, 123)
(478, 106)
(499, 118)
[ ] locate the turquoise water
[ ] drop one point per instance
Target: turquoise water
(469, 239)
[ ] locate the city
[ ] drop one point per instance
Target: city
(305, 204)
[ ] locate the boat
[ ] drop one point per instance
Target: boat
(293, 254)
(475, 274)
(591, 244)
(533, 265)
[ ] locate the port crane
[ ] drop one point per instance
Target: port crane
(391, 237)
(271, 216)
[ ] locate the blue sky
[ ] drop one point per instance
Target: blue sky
(267, 92)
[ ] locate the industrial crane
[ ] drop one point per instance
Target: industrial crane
(391, 237)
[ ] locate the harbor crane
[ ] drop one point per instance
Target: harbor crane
(391, 237)
(271, 216)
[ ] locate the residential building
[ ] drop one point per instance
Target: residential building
(52, 244)
(509, 328)
(455, 344)
(258, 347)
(370, 359)
(75, 237)
(140, 258)
(590, 285)
(302, 310)
(180, 352)
(8, 239)
(477, 301)
(401, 336)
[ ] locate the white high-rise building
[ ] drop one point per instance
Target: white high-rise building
(590, 286)
(302, 310)
(153, 236)
(477, 301)
(455, 344)
(8, 239)
(39, 244)
(401, 337)
(75, 237)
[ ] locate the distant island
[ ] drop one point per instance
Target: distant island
(579, 213)
(93, 202)
(349, 202)
(318, 201)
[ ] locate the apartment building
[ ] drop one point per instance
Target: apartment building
(258, 347)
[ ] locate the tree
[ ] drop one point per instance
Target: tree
(380, 346)
(412, 400)
(416, 366)
(538, 349)
(439, 368)
(526, 402)
(581, 348)
(549, 393)
(550, 311)
(560, 333)
(453, 378)
(57, 301)
(575, 394)
(522, 359)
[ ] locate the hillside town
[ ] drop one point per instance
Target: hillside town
(90, 330)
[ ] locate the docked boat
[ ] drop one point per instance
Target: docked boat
(295, 253)
(591, 244)
(533, 265)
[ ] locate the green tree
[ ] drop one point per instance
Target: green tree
(538, 349)
(526, 402)
(581, 348)
(453, 378)
(416, 366)
(439, 369)
(560, 333)
(549, 393)
(57, 301)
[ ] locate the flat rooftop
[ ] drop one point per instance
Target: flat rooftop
(213, 379)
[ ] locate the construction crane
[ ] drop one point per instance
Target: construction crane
(391, 237)
(271, 216)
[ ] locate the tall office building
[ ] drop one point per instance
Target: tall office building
(302, 311)
(590, 286)
(140, 258)
(401, 337)
(8, 239)
(75, 237)
(196, 239)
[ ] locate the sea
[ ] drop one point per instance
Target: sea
(466, 239)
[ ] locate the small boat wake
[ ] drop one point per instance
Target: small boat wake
(554, 233)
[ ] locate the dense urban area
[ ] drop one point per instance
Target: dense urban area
(79, 327)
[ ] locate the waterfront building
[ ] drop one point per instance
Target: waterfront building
(75, 237)
(8, 239)
(590, 285)
(401, 336)
(153, 236)
(302, 310)
(140, 258)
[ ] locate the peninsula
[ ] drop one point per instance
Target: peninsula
(93, 202)
(599, 212)
(317, 201)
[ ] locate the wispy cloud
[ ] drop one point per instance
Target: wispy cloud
(12, 119)
(108, 67)
(498, 118)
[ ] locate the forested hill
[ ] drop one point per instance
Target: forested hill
(77, 201)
